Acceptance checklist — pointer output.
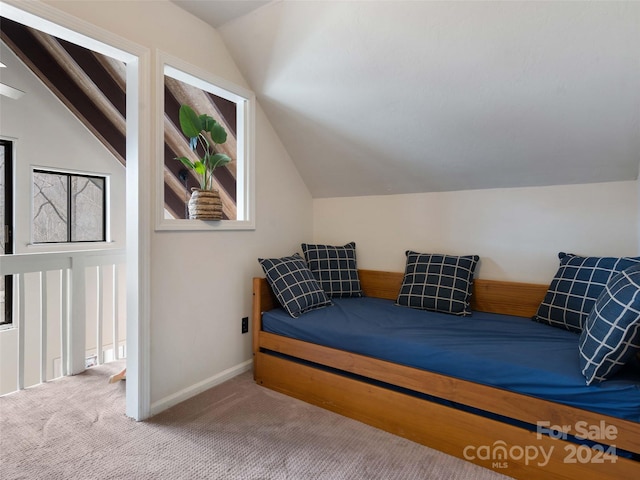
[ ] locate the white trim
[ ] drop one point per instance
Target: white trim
(77, 320)
(21, 333)
(51, 20)
(213, 84)
(138, 239)
(69, 171)
(245, 101)
(193, 390)
(55, 22)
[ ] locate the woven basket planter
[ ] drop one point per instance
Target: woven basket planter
(205, 205)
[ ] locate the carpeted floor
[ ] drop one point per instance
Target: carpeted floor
(75, 428)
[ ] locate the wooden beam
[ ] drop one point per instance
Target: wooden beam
(37, 58)
(174, 202)
(82, 80)
(228, 111)
(99, 75)
(116, 69)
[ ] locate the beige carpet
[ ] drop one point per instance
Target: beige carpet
(75, 428)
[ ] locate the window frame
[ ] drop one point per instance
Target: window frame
(7, 236)
(69, 174)
(245, 103)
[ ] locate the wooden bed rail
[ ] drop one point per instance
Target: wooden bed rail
(509, 298)
(263, 301)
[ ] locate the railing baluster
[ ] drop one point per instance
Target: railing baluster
(43, 327)
(77, 317)
(99, 317)
(21, 332)
(116, 346)
(64, 319)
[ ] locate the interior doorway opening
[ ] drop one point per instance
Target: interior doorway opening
(49, 20)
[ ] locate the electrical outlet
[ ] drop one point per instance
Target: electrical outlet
(245, 324)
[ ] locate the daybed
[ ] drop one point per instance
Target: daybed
(512, 433)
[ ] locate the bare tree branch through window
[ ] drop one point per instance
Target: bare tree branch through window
(68, 207)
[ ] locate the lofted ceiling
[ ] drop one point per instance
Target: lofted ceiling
(382, 97)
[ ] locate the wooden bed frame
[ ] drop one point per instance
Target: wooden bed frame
(392, 397)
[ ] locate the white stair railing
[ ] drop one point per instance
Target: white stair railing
(63, 318)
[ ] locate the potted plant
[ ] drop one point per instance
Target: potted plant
(203, 130)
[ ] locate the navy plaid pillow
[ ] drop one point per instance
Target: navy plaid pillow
(611, 334)
(575, 288)
(293, 284)
(440, 283)
(335, 268)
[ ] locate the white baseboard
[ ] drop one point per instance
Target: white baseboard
(193, 390)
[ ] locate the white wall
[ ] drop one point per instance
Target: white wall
(201, 282)
(517, 232)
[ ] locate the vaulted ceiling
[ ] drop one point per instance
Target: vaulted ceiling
(399, 96)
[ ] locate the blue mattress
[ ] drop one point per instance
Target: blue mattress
(513, 353)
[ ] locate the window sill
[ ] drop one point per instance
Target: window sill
(203, 226)
(70, 247)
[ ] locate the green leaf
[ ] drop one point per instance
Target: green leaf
(206, 122)
(199, 167)
(218, 133)
(186, 162)
(218, 160)
(189, 122)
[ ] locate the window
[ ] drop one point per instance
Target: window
(68, 207)
(232, 107)
(6, 228)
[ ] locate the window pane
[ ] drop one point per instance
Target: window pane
(87, 209)
(2, 223)
(180, 180)
(49, 207)
(2, 195)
